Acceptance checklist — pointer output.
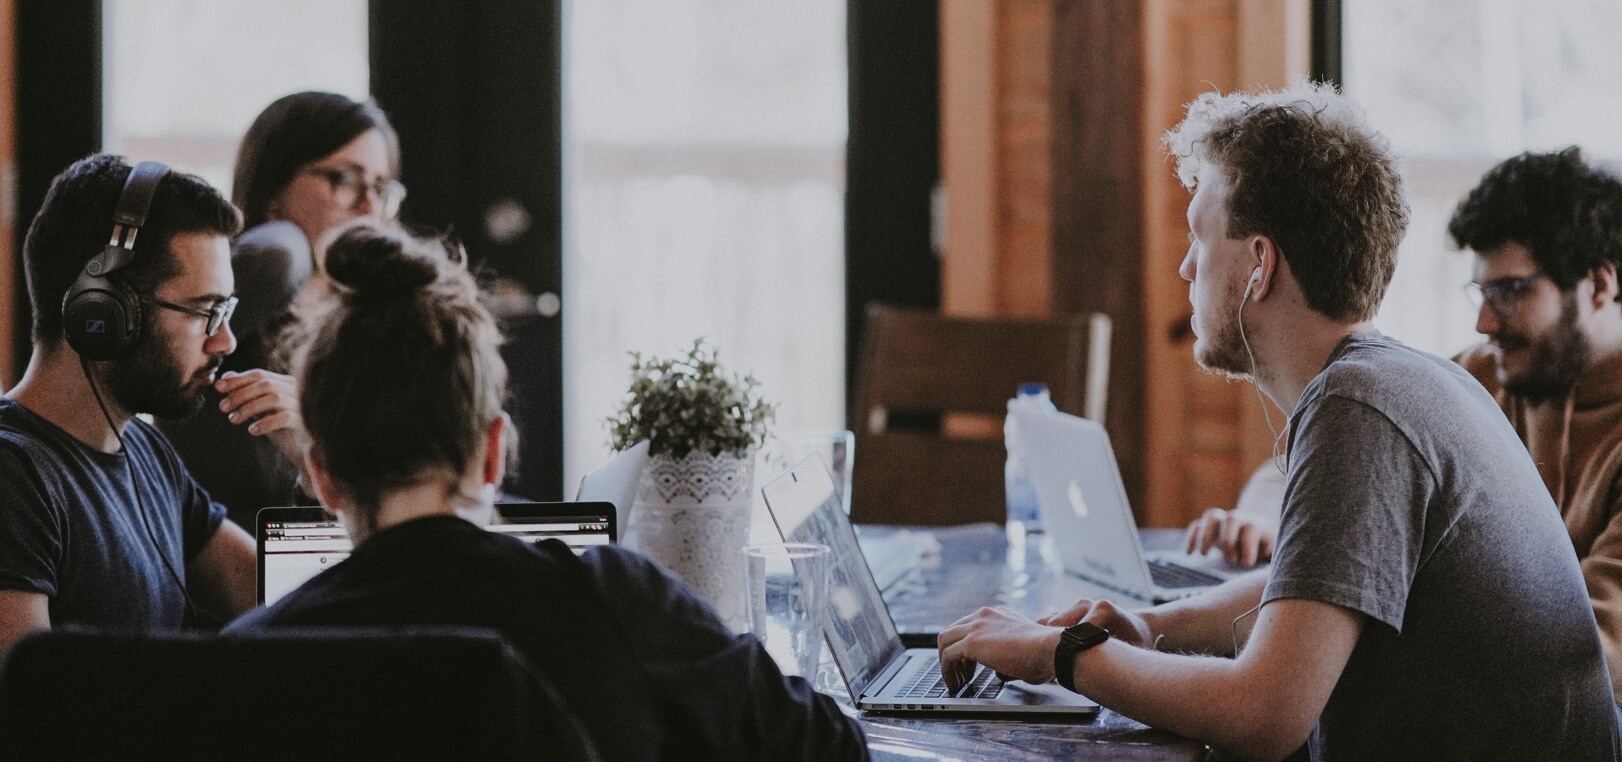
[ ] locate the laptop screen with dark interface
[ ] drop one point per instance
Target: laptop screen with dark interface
(296, 544)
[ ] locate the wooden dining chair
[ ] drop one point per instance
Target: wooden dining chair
(931, 394)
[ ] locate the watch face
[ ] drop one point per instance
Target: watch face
(1086, 633)
(1073, 641)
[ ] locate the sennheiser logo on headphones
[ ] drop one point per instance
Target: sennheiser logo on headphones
(95, 326)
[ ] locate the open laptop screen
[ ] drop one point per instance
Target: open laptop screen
(861, 635)
(296, 544)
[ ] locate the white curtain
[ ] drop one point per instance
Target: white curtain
(183, 79)
(703, 196)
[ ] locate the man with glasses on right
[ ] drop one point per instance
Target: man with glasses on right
(1546, 232)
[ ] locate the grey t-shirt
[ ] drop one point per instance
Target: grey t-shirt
(1411, 500)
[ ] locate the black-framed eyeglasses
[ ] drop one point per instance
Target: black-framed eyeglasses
(1502, 294)
(217, 315)
(349, 187)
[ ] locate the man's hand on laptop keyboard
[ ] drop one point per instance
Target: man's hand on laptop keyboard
(1247, 533)
(1243, 538)
(1122, 624)
(1012, 645)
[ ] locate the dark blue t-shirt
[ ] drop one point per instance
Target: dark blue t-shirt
(71, 526)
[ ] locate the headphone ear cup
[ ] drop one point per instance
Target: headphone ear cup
(101, 318)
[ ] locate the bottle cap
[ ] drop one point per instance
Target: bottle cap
(1032, 389)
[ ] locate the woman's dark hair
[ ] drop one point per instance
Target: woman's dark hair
(401, 373)
(292, 132)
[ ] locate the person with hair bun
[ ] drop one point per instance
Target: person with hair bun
(310, 163)
(401, 386)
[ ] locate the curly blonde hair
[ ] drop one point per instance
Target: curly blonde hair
(1306, 170)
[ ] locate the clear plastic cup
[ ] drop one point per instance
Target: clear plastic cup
(786, 603)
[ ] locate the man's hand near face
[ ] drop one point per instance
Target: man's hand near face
(267, 403)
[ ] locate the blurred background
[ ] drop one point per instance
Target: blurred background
(632, 174)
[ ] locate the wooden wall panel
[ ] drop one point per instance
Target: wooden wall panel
(1024, 169)
(969, 154)
(1105, 198)
(1196, 422)
(996, 123)
(1098, 201)
(1206, 433)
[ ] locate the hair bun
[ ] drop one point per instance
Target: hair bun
(369, 261)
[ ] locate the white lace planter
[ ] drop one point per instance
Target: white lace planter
(692, 516)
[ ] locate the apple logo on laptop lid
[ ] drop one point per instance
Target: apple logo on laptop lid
(1077, 503)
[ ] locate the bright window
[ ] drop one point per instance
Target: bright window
(703, 196)
(1458, 86)
(183, 79)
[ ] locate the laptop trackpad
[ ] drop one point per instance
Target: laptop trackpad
(1021, 693)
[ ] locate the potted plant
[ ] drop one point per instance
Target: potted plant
(692, 509)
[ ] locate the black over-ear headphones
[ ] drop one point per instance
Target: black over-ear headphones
(100, 315)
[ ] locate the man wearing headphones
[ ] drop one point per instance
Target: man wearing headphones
(100, 524)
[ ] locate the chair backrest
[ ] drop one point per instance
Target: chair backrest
(918, 367)
(418, 694)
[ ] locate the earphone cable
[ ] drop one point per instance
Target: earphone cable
(1233, 627)
(190, 614)
(1255, 385)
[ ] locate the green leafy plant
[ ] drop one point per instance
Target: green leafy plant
(686, 403)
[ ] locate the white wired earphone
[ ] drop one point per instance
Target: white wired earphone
(1255, 277)
(1267, 415)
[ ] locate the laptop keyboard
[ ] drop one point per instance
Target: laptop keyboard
(1170, 575)
(930, 684)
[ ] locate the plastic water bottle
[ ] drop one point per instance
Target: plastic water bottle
(1023, 516)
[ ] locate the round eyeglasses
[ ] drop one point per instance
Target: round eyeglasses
(349, 188)
(1502, 294)
(217, 315)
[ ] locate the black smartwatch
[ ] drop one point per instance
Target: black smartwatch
(1073, 641)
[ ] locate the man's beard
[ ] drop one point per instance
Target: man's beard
(1557, 359)
(150, 381)
(1224, 353)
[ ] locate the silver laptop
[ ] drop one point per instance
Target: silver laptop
(883, 676)
(1085, 511)
(616, 482)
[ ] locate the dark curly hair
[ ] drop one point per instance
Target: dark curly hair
(1567, 213)
(1306, 170)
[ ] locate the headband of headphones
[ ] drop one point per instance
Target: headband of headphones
(133, 205)
(101, 317)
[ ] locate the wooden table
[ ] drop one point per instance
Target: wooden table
(962, 569)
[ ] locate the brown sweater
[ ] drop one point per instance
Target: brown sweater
(1576, 442)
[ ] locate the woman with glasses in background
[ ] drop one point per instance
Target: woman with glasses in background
(310, 163)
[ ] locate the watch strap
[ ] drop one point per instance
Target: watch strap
(1072, 642)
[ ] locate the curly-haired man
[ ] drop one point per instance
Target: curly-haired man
(1422, 584)
(1546, 231)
